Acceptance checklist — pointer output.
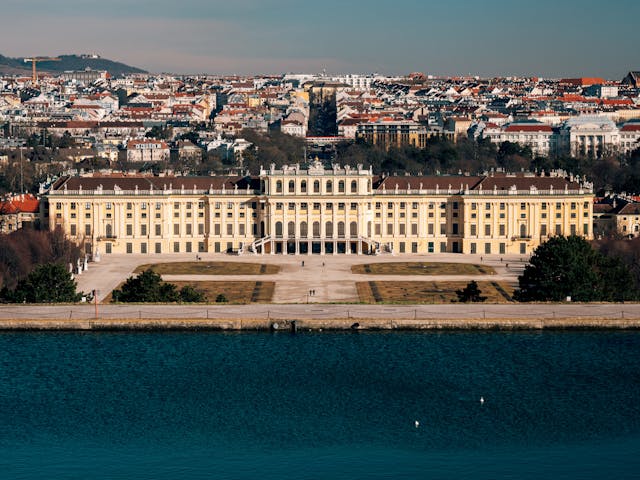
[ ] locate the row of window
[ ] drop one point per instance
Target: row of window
(328, 186)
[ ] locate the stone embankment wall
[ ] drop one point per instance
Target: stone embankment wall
(318, 325)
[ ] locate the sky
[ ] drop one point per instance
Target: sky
(548, 38)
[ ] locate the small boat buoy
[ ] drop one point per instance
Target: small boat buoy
(417, 423)
(481, 400)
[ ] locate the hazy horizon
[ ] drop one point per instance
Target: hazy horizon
(549, 39)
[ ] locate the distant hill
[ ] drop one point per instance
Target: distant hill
(14, 66)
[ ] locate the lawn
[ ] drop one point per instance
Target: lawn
(427, 292)
(422, 268)
(209, 268)
(235, 292)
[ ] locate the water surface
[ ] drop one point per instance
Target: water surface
(319, 405)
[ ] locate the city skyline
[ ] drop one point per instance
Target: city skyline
(276, 36)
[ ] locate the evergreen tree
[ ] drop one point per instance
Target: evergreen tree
(470, 293)
(569, 267)
(47, 283)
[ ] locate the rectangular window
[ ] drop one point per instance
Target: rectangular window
(473, 248)
(390, 229)
(430, 247)
(430, 229)
(143, 230)
(143, 247)
(216, 247)
(129, 247)
(73, 230)
(176, 229)
(189, 228)
(487, 230)
(443, 247)
(472, 231)
(443, 229)
(241, 228)
(543, 230)
(487, 248)
(201, 246)
(377, 229)
(129, 229)
(502, 248)
(229, 229)
(216, 229)
(402, 247)
(414, 229)
(176, 247)
(585, 229)
(455, 229)
(558, 229)
(402, 229)
(201, 229)
(158, 230)
(158, 247)
(188, 247)
(502, 229)
(414, 247)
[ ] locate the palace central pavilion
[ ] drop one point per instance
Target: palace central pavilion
(319, 211)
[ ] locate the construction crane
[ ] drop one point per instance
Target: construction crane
(35, 60)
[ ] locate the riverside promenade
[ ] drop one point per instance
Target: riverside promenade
(334, 305)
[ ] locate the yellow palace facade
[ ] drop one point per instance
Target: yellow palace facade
(318, 211)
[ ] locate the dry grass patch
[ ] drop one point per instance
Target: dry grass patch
(428, 292)
(422, 268)
(234, 292)
(209, 268)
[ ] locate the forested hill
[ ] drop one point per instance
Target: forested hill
(13, 66)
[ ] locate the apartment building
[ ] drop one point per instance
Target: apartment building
(314, 210)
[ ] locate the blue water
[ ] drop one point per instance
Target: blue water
(319, 405)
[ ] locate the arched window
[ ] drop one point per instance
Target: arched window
(303, 230)
(341, 186)
(340, 229)
(292, 186)
(354, 187)
(329, 186)
(353, 229)
(279, 186)
(316, 229)
(316, 186)
(523, 231)
(303, 186)
(278, 229)
(328, 229)
(291, 229)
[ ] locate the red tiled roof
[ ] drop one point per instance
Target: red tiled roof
(528, 128)
(21, 203)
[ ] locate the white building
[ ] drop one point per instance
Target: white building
(589, 136)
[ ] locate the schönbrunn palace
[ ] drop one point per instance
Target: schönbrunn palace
(319, 211)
